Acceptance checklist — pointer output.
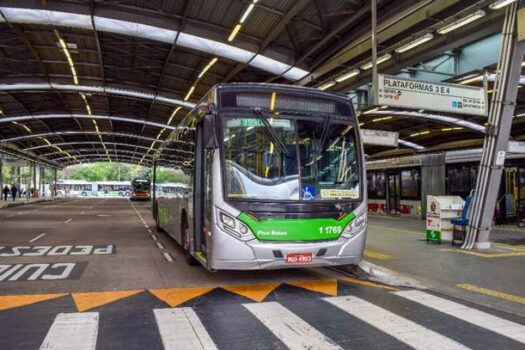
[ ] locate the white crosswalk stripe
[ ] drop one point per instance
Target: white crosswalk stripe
(181, 328)
(478, 318)
(289, 328)
(72, 331)
(399, 327)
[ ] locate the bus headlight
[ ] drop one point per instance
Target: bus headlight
(234, 227)
(355, 226)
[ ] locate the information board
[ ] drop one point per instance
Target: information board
(433, 96)
(380, 137)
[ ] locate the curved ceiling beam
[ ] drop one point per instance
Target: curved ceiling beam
(127, 159)
(411, 144)
(65, 133)
(191, 41)
(433, 117)
(60, 144)
(111, 151)
(96, 90)
(85, 116)
(115, 156)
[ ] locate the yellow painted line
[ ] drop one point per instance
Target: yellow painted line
(11, 301)
(176, 296)
(91, 300)
(484, 255)
(328, 287)
(367, 283)
(255, 292)
(376, 255)
(493, 293)
(518, 248)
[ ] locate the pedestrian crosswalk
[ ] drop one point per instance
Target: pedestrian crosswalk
(189, 327)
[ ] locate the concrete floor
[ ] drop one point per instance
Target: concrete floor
(135, 298)
(495, 277)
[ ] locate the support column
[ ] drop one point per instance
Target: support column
(54, 189)
(497, 134)
(154, 190)
(375, 79)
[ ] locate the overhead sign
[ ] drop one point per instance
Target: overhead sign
(432, 96)
(516, 147)
(380, 137)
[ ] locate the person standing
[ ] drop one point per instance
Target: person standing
(6, 192)
(14, 191)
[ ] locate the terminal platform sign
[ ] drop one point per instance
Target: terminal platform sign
(431, 96)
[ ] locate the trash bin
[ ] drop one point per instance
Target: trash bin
(440, 209)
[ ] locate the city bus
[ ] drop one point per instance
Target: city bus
(276, 179)
(113, 188)
(140, 189)
(75, 188)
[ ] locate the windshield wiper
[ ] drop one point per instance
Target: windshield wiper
(271, 131)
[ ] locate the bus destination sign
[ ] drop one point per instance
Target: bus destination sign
(431, 96)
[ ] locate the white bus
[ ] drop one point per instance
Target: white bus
(75, 188)
(276, 179)
(113, 188)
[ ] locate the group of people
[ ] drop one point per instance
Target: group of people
(13, 191)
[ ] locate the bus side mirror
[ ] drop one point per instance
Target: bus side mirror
(209, 131)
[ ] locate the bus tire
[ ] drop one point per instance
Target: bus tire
(190, 260)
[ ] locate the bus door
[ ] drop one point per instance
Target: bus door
(202, 201)
(393, 192)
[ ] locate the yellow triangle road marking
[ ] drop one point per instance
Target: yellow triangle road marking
(87, 301)
(328, 287)
(176, 296)
(11, 301)
(255, 292)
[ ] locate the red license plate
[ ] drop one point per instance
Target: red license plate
(299, 258)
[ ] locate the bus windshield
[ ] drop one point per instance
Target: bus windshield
(312, 159)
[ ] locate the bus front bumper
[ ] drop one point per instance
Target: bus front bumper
(229, 253)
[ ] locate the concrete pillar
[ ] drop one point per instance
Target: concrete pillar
(497, 134)
(54, 188)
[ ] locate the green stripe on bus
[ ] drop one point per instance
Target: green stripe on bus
(296, 229)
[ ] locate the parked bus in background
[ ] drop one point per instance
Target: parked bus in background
(140, 189)
(171, 189)
(113, 188)
(276, 177)
(75, 188)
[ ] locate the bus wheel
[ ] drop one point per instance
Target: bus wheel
(190, 260)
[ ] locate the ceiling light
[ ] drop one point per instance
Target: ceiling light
(471, 79)
(247, 13)
(189, 93)
(234, 32)
(381, 119)
(173, 114)
(500, 4)
(380, 60)
(327, 85)
(461, 22)
(208, 66)
(375, 109)
(347, 75)
(415, 43)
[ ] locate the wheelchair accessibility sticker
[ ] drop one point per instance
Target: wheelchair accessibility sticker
(308, 193)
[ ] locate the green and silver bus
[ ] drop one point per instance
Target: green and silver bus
(275, 179)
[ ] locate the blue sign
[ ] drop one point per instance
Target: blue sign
(308, 193)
